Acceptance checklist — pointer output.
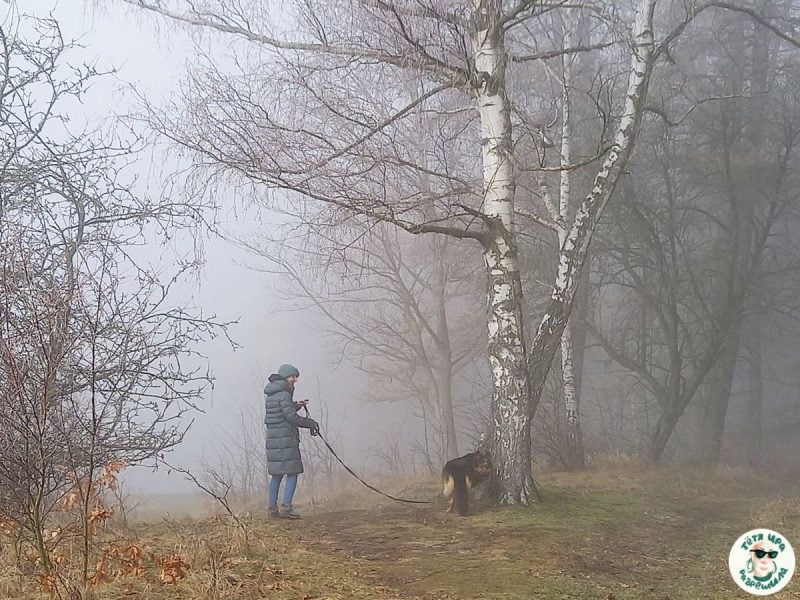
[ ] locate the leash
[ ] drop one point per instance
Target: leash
(353, 473)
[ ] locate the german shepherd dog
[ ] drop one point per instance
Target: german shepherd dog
(460, 474)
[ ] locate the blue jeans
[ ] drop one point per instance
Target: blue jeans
(288, 489)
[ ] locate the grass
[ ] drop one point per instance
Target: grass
(610, 535)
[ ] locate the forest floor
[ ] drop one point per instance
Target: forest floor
(610, 535)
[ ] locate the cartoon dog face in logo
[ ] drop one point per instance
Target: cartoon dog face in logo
(761, 564)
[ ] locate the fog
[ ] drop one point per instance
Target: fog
(545, 254)
(683, 311)
(267, 333)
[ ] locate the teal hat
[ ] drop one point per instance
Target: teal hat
(288, 371)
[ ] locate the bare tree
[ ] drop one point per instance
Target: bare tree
(97, 366)
(693, 233)
(321, 108)
(405, 314)
(348, 146)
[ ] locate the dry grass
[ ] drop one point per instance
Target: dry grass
(614, 533)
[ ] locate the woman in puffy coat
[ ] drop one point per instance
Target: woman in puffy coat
(283, 438)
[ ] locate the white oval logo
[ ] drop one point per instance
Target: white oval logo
(761, 562)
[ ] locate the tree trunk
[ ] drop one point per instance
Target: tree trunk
(755, 395)
(573, 442)
(578, 325)
(721, 383)
(511, 451)
(667, 420)
(740, 255)
(506, 343)
(446, 406)
(755, 130)
(575, 248)
(445, 358)
(572, 431)
(443, 377)
(576, 335)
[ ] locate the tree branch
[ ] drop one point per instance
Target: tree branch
(454, 76)
(550, 54)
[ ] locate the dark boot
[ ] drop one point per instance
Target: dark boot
(273, 512)
(287, 512)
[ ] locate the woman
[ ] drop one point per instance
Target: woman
(762, 562)
(283, 438)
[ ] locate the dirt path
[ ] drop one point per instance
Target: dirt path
(580, 543)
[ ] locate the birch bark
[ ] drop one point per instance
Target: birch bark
(572, 429)
(511, 407)
(575, 246)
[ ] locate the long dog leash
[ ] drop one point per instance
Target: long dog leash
(353, 473)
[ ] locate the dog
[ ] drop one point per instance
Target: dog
(458, 477)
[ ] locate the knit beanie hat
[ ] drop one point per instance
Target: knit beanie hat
(288, 371)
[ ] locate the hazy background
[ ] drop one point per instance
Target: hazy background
(152, 58)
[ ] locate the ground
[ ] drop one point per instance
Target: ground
(661, 535)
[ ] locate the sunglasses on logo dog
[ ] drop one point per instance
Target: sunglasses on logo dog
(762, 553)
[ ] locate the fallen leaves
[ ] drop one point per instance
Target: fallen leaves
(121, 561)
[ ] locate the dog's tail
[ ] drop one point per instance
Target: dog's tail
(461, 495)
(447, 480)
(456, 488)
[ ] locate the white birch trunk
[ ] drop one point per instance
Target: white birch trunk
(572, 429)
(576, 244)
(506, 346)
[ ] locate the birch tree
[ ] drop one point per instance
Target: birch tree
(346, 67)
(319, 107)
(560, 212)
(573, 431)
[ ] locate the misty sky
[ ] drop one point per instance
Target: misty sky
(152, 58)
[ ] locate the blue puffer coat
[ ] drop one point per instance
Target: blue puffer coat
(283, 423)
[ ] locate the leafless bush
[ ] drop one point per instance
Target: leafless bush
(97, 366)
